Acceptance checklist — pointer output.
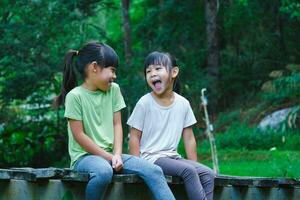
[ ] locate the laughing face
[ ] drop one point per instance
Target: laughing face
(103, 77)
(160, 79)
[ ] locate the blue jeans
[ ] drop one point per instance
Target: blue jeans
(101, 172)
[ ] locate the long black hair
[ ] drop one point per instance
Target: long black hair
(164, 59)
(101, 53)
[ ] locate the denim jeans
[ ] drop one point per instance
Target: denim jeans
(198, 179)
(101, 172)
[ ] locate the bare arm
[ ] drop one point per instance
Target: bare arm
(85, 141)
(134, 141)
(117, 162)
(118, 141)
(190, 143)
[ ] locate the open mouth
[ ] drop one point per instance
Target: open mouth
(157, 84)
(109, 83)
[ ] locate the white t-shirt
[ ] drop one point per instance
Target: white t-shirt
(161, 126)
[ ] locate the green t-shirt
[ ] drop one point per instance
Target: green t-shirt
(95, 109)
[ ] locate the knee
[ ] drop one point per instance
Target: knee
(210, 176)
(102, 176)
(153, 171)
(157, 169)
(189, 171)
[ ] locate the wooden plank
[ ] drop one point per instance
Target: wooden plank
(127, 178)
(233, 180)
(252, 181)
(6, 174)
(265, 182)
(124, 178)
(70, 175)
(35, 174)
(42, 173)
(288, 182)
(174, 179)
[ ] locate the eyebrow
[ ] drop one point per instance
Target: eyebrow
(154, 66)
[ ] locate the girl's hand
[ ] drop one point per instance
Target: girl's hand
(117, 163)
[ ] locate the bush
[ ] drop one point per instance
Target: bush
(36, 143)
(241, 136)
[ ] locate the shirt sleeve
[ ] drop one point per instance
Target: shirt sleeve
(190, 118)
(136, 119)
(118, 100)
(73, 107)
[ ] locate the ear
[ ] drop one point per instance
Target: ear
(93, 66)
(175, 72)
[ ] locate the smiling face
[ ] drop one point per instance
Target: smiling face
(107, 75)
(160, 79)
(101, 78)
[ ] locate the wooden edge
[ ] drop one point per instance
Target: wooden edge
(68, 175)
(7, 174)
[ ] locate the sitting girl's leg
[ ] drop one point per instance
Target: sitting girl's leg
(150, 173)
(100, 172)
(177, 167)
(206, 176)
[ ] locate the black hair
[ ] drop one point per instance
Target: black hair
(97, 52)
(165, 59)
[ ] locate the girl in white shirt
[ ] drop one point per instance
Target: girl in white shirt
(158, 121)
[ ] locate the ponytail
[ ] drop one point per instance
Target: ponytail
(69, 78)
(177, 86)
(103, 54)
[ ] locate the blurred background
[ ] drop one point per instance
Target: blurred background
(246, 53)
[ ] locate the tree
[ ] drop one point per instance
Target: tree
(35, 36)
(127, 31)
(211, 12)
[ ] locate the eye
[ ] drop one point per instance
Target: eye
(148, 71)
(158, 68)
(113, 70)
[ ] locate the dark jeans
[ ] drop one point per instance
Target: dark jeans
(198, 179)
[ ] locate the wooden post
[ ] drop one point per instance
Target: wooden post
(209, 129)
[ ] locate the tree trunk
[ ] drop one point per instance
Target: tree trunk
(280, 31)
(211, 11)
(127, 31)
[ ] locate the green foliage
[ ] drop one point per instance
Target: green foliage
(241, 136)
(23, 148)
(35, 36)
(255, 39)
(284, 88)
(255, 162)
(291, 7)
(225, 119)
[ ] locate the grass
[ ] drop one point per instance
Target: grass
(261, 163)
(241, 162)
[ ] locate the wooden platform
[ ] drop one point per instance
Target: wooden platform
(65, 184)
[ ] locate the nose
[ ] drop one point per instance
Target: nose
(114, 75)
(153, 73)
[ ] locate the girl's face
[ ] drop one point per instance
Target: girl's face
(102, 78)
(160, 79)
